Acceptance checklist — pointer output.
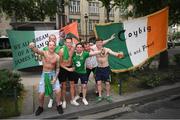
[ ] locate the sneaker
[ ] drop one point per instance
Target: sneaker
(64, 104)
(99, 99)
(73, 102)
(50, 103)
(39, 111)
(76, 97)
(109, 99)
(59, 109)
(85, 101)
(80, 95)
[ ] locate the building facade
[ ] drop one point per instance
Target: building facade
(88, 13)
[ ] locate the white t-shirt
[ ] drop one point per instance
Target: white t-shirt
(91, 62)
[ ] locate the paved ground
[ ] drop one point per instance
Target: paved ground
(31, 78)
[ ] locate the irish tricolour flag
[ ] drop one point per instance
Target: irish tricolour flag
(139, 39)
(23, 57)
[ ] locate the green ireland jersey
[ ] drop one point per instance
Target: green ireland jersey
(79, 62)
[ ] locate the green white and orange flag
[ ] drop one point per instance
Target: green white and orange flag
(23, 57)
(139, 39)
(71, 30)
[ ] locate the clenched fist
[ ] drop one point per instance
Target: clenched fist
(31, 45)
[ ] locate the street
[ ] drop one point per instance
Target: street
(168, 108)
(163, 107)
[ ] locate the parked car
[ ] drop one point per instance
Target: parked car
(171, 44)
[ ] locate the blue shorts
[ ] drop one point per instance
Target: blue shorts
(56, 85)
(102, 73)
(82, 76)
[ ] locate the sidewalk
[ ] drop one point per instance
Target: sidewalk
(93, 107)
(30, 80)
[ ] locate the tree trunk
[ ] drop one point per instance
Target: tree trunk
(163, 60)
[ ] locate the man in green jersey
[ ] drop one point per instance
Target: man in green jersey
(79, 58)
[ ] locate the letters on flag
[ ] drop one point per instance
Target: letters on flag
(23, 57)
(139, 39)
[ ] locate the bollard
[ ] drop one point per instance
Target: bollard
(16, 101)
(120, 86)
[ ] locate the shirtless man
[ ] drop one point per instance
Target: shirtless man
(53, 38)
(66, 71)
(103, 69)
(48, 81)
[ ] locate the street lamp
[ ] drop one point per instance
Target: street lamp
(86, 20)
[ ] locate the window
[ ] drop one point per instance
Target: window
(93, 8)
(4, 43)
(74, 7)
(91, 24)
(111, 14)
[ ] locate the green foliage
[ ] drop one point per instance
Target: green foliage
(145, 7)
(176, 35)
(144, 78)
(8, 109)
(8, 82)
(10, 102)
(108, 5)
(150, 79)
(33, 10)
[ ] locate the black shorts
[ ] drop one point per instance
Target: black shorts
(102, 73)
(82, 76)
(91, 70)
(65, 75)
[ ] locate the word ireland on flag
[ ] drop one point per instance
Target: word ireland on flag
(139, 39)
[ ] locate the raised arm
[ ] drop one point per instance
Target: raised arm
(34, 49)
(117, 54)
(111, 38)
(92, 53)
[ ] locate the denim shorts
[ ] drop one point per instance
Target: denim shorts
(56, 85)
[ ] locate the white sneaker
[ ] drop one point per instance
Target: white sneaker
(50, 103)
(73, 102)
(64, 104)
(76, 97)
(85, 101)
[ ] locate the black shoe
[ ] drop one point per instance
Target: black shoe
(59, 109)
(80, 95)
(39, 111)
(97, 94)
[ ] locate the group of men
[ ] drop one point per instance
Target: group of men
(73, 62)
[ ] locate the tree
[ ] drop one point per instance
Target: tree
(145, 7)
(108, 6)
(33, 10)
